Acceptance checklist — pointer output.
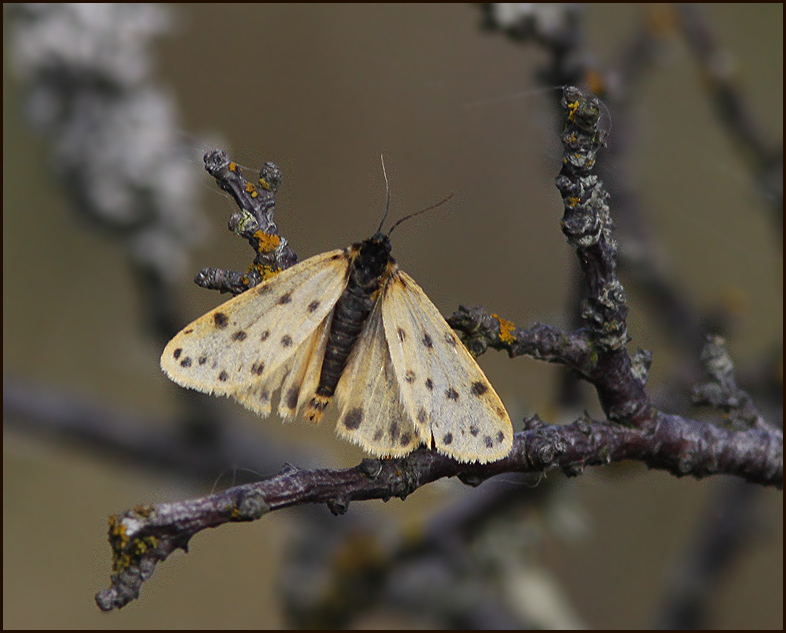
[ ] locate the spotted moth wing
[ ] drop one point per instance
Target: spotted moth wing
(297, 379)
(443, 389)
(244, 342)
(371, 410)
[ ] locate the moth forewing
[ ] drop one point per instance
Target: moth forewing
(443, 388)
(294, 379)
(248, 337)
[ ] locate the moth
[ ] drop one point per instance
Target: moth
(347, 325)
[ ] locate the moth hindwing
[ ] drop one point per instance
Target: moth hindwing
(347, 324)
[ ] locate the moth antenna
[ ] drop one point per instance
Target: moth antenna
(412, 215)
(387, 193)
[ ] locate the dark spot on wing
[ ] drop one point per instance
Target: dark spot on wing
(286, 340)
(401, 334)
(406, 438)
(378, 435)
(262, 289)
(409, 376)
(291, 399)
(313, 306)
(354, 418)
(264, 335)
(240, 335)
(478, 388)
(186, 362)
(220, 320)
(448, 438)
(429, 384)
(487, 441)
(500, 436)
(336, 256)
(258, 368)
(501, 412)
(473, 430)
(450, 338)
(177, 352)
(393, 431)
(285, 299)
(188, 331)
(427, 341)
(452, 394)
(264, 395)
(422, 415)
(202, 360)
(223, 376)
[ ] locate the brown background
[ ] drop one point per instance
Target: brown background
(323, 90)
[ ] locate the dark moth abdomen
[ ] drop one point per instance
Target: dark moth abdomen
(368, 261)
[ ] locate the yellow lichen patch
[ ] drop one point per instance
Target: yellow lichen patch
(232, 166)
(265, 272)
(572, 107)
(125, 550)
(264, 184)
(266, 242)
(505, 329)
(251, 189)
(573, 201)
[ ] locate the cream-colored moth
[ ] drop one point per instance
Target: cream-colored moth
(348, 324)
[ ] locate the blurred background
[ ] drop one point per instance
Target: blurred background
(323, 90)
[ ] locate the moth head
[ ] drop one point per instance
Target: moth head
(375, 253)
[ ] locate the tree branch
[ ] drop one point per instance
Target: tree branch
(147, 535)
